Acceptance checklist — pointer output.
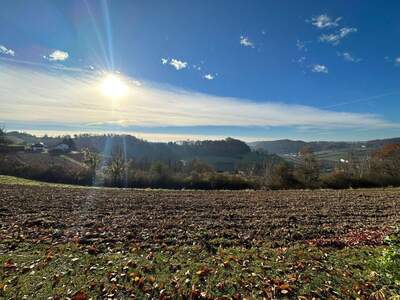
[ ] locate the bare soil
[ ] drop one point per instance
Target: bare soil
(153, 218)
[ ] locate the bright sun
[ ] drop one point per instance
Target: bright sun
(113, 86)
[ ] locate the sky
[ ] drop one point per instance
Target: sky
(178, 70)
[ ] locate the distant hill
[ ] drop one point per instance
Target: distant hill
(138, 148)
(223, 155)
(282, 147)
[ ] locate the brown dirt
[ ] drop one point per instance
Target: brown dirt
(210, 218)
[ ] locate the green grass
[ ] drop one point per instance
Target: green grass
(42, 271)
(4, 179)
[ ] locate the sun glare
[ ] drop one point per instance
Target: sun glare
(113, 86)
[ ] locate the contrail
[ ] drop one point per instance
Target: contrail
(362, 99)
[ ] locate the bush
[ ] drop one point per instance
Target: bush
(208, 181)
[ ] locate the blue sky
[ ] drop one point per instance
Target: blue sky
(259, 70)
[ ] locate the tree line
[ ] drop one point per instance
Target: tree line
(253, 169)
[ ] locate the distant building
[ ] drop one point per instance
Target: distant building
(38, 147)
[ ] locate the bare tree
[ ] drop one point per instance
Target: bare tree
(308, 170)
(3, 135)
(92, 160)
(117, 168)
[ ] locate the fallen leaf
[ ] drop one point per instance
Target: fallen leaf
(80, 295)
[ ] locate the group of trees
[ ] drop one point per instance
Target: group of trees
(381, 168)
(378, 169)
(119, 171)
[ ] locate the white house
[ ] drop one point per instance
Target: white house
(38, 147)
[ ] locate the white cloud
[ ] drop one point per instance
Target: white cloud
(397, 61)
(57, 55)
(319, 69)
(335, 38)
(164, 61)
(348, 57)
(209, 77)
(4, 50)
(74, 98)
(178, 64)
(324, 21)
(245, 41)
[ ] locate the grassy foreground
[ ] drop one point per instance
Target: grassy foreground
(83, 272)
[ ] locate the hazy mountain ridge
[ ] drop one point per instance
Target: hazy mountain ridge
(291, 146)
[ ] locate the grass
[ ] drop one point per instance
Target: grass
(5, 179)
(43, 271)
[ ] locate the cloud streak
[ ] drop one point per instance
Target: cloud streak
(57, 96)
(336, 38)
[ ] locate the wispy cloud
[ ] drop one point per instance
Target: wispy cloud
(319, 69)
(75, 98)
(178, 64)
(324, 21)
(197, 68)
(348, 57)
(395, 60)
(6, 51)
(57, 55)
(301, 46)
(335, 38)
(246, 42)
(164, 61)
(209, 77)
(301, 60)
